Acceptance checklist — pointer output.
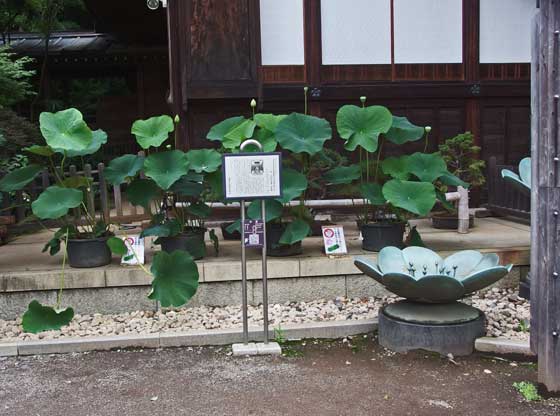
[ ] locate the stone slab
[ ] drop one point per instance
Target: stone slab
(8, 349)
(503, 346)
(270, 348)
(244, 349)
(64, 346)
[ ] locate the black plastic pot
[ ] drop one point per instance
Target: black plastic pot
(191, 241)
(236, 235)
(274, 248)
(89, 253)
(378, 235)
(316, 227)
(448, 222)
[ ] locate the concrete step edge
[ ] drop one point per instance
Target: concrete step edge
(503, 346)
(320, 330)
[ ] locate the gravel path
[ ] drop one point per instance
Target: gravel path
(507, 317)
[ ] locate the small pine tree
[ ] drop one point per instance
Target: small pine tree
(15, 83)
(462, 158)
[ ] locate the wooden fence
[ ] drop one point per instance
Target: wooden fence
(504, 199)
(104, 199)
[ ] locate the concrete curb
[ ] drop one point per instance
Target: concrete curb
(329, 330)
(503, 346)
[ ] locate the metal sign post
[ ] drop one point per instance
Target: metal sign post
(253, 176)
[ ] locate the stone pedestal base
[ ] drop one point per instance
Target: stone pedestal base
(442, 328)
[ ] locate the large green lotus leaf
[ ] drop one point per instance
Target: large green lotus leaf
(362, 126)
(373, 193)
(55, 202)
(153, 131)
(166, 168)
(200, 210)
(266, 138)
(234, 138)
(175, 278)
(342, 175)
(232, 131)
(451, 180)
(301, 133)
(65, 130)
(416, 197)
(268, 121)
(215, 184)
(204, 160)
(273, 209)
(123, 167)
(167, 229)
(403, 131)
(99, 138)
(141, 192)
(186, 186)
(117, 246)
(369, 268)
(485, 278)
(426, 167)
(293, 185)
(39, 318)
(396, 167)
(439, 289)
(19, 178)
(39, 150)
(296, 231)
(77, 182)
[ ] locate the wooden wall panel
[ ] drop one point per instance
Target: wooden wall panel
(222, 50)
(505, 72)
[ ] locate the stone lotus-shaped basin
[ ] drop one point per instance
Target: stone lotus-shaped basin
(421, 275)
(522, 181)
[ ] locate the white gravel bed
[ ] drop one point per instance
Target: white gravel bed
(505, 312)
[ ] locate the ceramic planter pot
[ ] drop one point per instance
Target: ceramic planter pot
(89, 253)
(191, 241)
(382, 234)
(445, 221)
(316, 230)
(274, 248)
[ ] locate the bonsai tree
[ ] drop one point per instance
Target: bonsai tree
(170, 184)
(392, 189)
(462, 159)
(301, 137)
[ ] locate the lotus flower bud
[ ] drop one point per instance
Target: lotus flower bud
(253, 103)
(363, 99)
(168, 146)
(305, 89)
(177, 119)
(428, 129)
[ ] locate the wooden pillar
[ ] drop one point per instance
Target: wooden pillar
(545, 229)
(313, 53)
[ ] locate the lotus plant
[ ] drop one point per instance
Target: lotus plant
(301, 137)
(421, 275)
(521, 181)
(170, 184)
(393, 189)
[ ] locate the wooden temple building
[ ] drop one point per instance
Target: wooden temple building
(457, 65)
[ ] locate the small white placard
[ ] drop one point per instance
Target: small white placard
(252, 176)
(335, 243)
(135, 255)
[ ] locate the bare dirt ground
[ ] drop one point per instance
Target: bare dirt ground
(317, 378)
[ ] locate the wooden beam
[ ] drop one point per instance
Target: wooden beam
(545, 235)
